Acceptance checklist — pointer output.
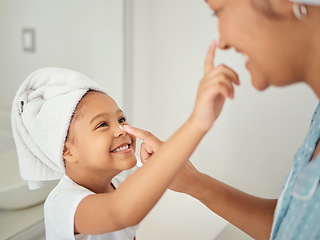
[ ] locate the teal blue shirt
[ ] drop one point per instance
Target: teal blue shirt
(297, 215)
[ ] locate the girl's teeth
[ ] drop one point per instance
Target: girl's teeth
(122, 148)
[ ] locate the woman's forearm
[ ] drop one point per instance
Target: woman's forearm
(251, 214)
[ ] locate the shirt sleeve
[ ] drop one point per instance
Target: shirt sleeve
(60, 209)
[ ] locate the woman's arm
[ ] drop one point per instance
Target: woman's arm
(251, 214)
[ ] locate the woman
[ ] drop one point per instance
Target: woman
(280, 40)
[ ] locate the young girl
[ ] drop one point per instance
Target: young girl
(66, 127)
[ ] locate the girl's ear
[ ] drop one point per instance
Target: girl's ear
(68, 153)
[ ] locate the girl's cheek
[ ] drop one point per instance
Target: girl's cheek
(133, 145)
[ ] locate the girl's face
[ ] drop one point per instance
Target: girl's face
(271, 47)
(96, 139)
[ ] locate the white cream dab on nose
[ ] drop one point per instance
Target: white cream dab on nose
(120, 127)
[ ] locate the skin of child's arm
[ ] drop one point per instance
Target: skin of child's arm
(135, 197)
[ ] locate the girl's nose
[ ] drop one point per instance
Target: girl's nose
(119, 131)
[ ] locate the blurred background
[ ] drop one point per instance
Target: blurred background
(150, 55)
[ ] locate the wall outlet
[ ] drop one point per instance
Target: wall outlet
(28, 40)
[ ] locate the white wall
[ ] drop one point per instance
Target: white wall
(78, 34)
(253, 142)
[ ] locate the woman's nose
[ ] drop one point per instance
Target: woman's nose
(223, 44)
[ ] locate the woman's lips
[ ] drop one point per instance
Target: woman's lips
(246, 57)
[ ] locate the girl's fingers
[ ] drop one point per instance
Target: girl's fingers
(225, 71)
(209, 61)
(227, 91)
(218, 85)
(217, 79)
(223, 87)
(232, 75)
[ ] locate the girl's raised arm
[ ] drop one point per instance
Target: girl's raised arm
(136, 196)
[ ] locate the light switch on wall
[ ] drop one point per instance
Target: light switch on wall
(28, 40)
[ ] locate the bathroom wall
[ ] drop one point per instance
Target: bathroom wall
(254, 140)
(77, 34)
(5, 133)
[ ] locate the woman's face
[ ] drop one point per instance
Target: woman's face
(267, 42)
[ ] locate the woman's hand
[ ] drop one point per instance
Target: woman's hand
(215, 86)
(150, 142)
(183, 181)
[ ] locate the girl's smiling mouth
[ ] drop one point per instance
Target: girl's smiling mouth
(123, 148)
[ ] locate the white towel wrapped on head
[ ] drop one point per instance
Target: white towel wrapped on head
(41, 112)
(307, 2)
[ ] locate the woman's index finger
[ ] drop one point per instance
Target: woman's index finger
(152, 141)
(139, 133)
(209, 61)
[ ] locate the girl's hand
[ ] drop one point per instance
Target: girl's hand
(214, 88)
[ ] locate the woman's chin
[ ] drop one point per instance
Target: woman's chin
(259, 83)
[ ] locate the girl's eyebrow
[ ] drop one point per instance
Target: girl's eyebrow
(104, 114)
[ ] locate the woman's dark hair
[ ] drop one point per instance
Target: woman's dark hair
(265, 7)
